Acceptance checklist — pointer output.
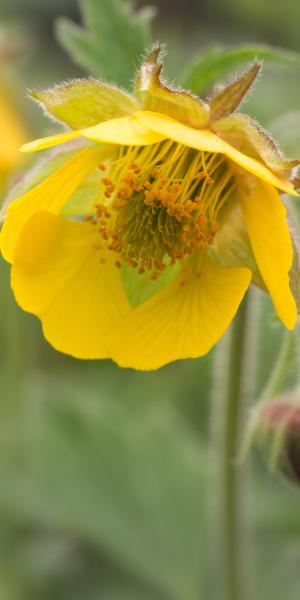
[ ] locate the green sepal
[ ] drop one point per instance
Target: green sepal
(232, 247)
(85, 197)
(140, 287)
(225, 102)
(156, 95)
(249, 137)
(90, 191)
(84, 102)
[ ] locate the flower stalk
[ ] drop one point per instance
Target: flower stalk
(281, 368)
(229, 397)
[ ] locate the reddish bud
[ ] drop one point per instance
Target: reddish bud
(279, 429)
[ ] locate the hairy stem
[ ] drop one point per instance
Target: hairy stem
(281, 367)
(229, 397)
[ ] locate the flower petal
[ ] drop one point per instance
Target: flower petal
(232, 247)
(127, 131)
(57, 275)
(204, 139)
(49, 141)
(12, 132)
(182, 321)
(51, 195)
(265, 217)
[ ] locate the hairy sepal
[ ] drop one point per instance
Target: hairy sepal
(249, 137)
(226, 101)
(84, 102)
(156, 95)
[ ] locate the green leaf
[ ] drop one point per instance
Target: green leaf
(286, 128)
(111, 44)
(122, 480)
(217, 62)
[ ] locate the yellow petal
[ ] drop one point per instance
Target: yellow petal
(182, 321)
(12, 132)
(49, 195)
(127, 131)
(265, 217)
(204, 139)
(49, 141)
(57, 275)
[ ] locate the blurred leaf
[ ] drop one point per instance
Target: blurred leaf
(47, 565)
(113, 41)
(286, 129)
(217, 62)
(127, 484)
(276, 554)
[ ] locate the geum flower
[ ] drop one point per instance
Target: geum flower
(11, 126)
(142, 244)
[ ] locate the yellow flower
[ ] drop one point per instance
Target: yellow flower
(141, 245)
(12, 135)
(12, 128)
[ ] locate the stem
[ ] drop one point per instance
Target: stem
(281, 367)
(229, 396)
(297, 359)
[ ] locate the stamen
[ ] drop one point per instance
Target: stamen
(161, 203)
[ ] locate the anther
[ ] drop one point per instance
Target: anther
(158, 208)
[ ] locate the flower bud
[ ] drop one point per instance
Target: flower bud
(279, 432)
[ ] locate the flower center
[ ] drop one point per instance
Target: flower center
(161, 203)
